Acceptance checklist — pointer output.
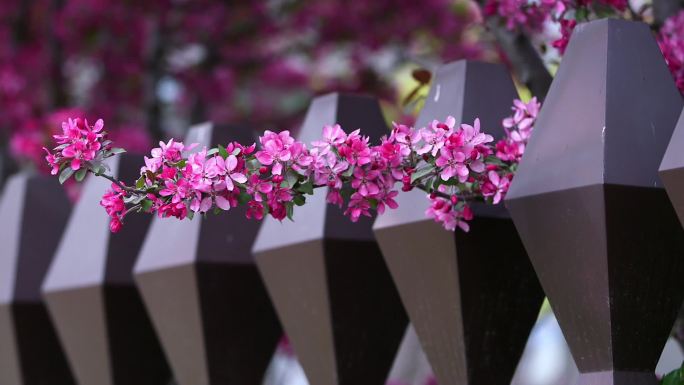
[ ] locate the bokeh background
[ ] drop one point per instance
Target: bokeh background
(152, 68)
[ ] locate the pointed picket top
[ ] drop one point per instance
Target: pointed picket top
(91, 296)
(672, 169)
(72, 267)
(80, 263)
(443, 289)
(608, 116)
(177, 241)
(325, 274)
(351, 112)
(465, 90)
(607, 267)
(34, 211)
(162, 230)
(461, 88)
(203, 292)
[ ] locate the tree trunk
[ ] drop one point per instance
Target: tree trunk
(524, 58)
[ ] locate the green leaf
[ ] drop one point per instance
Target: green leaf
(581, 14)
(140, 183)
(291, 178)
(420, 173)
(346, 192)
(99, 169)
(373, 203)
(290, 210)
(436, 183)
(306, 188)
(191, 214)
(428, 184)
(253, 165)
(675, 377)
(80, 174)
(66, 174)
(116, 150)
(222, 151)
(450, 181)
(348, 173)
(299, 200)
(243, 198)
(494, 160)
(146, 205)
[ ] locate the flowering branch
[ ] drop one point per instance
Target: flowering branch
(455, 164)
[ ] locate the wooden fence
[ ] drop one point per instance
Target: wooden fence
(587, 223)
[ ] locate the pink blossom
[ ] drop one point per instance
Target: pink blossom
(358, 206)
(406, 137)
(332, 136)
(672, 45)
(113, 203)
(52, 161)
(255, 210)
(334, 197)
(518, 129)
(256, 186)
(387, 199)
(328, 169)
(452, 164)
(177, 210)
(365, 181)
(301, 159)
(222, 202)
(355, 149)
(276, 150)
(435, 135)
(276, 178)
(473, 136)
(177, 190)
(170, 151)
(226, 171)
(442, 211)
(495, 186)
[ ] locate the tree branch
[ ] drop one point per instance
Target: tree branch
(155, 72)
(662, 9)
(527, 64)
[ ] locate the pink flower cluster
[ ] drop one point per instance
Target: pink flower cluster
(518, 130)
(455, 164)
(532, 15)
(78, 143)
(521, 13)
(178, 185)
(487, 176)
(671, 42)
(113, 203)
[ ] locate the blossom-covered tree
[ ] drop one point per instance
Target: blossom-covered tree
(147, 67)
